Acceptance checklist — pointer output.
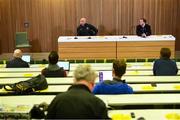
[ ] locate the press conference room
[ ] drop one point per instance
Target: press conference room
(90, 59)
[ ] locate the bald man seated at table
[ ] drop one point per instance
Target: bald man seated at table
(86, 29)
(17, 61)
(78, 102)
(117, 85)
(165, 66)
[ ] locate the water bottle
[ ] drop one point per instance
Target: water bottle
(100, 76)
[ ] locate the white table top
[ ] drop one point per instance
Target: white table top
(137, 88)
(107, 74)
(115, 38)
(133, 68)
(141, 99)
(19, 75)
(120, 100)
(96, 66)
(148, 114)
(129, 79)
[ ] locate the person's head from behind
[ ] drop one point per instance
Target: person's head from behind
(119, 68)
(165, 53)
(83, 21)
(53, 57)
(84, 74)
(142, 21)
(17, 53)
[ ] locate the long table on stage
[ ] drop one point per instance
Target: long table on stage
(111, 47)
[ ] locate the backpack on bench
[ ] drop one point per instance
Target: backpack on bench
(29, 86)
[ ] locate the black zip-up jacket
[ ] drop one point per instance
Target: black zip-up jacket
(17, 63)
(146, 29)
(77, 103)
(87, 30)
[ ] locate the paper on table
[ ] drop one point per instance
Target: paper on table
(119, 116)
(177, 87)
(148, 87)
(28, 75)
(42, 66)
(172, 116)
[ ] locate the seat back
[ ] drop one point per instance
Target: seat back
(22, 40)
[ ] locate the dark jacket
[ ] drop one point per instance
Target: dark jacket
(146, 29)
(77, 103)
(53, 71)
(165, 67)
(114, 86)
(17, 63)
(87, 30)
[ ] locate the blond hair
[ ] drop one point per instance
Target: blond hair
(84, 72)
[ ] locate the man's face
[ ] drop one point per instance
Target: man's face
(141, 22)
(82, 21)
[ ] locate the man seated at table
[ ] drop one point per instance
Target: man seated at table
(117, 85)
(78, 102)
(165, 66)
(53, 70)
(86, 29)
(143, 29)
(17, 61)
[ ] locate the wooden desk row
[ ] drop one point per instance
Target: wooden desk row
(142, 102)
(110, 100)
(97, 67)
(147, 114)
(137, 88)
(129, 80)
(108, 74)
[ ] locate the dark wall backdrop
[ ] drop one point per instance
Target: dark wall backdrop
(49, 19)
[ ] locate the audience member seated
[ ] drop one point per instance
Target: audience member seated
(17, 62)
(165, 66)
(117, 85)
(53, 70)
(78, 102)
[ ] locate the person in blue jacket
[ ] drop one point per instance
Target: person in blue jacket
(165, 66)
(117, 85)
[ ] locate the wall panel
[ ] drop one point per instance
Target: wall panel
(50, 19)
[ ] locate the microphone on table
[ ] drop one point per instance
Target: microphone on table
(129, 31)
(89, 37)
(75, 37)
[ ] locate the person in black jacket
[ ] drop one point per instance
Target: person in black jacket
(143, 29)
(17, 62)
(86, 29)
(53, 70)
(165, 66)
(78, 102)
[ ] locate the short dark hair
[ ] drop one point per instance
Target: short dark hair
(119, 67)
(165, 53)
(53, 57)
(144, 20)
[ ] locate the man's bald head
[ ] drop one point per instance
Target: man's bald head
(17, 53)
(83, 21)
